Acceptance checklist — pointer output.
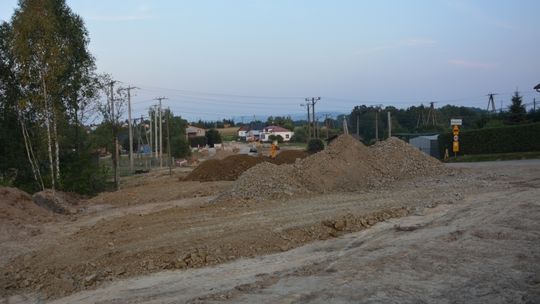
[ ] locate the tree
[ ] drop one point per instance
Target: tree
(213, 137)
(49, 48)
(517, 113)
(300, 135)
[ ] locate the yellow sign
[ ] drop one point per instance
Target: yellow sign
(455, 147)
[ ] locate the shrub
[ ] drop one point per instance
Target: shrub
(198, 141)
(519, 138)
(315, 145)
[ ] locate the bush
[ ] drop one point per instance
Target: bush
(180, 147)
(300, 135)
(273, 137)
(198, 141)
(213, 137)
(519, 138)
(315, 145)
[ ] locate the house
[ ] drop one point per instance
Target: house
(192, 131)
(253, 135)
(276, 130)
(243, 132)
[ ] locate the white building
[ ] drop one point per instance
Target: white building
(276, 130)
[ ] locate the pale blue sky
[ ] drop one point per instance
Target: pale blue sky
(223, 58)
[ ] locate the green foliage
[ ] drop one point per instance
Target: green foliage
(198, 141)
(83, 174)
(180, 147)
(300, 135)
(213, 137)
(315, 145)
(517, 113)
(521, 138)
(278, 138)
(282, 121)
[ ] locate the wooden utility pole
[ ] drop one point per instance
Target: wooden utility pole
(155, 133)
(115, 155)
(313, 102)
(491, 102)
(130, 124)
(169, 142)
(308, 119)
(160, 133)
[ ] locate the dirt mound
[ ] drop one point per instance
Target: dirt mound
(57, 201)
(400, 160)
(228, 168)
(345, 165)
(17, 205)
(231, 167)
(289, 156)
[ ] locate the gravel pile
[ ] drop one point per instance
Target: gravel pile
(345, 165)
(400, 160)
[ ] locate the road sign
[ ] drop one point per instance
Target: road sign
(456, 138)
(455, 121)
(455, 147)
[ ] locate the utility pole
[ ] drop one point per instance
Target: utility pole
(169, 142)
(308, 118)
(114, 155)
(160, 133)
(389, 124)
(491, 102)
(130, 124)
(313, 100)
(151, 142)
(155, 133)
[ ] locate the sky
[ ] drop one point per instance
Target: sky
(218, 59)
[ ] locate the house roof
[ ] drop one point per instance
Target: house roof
(244, 128)
(276, 129)
(193, 129)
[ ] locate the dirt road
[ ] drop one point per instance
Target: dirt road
(468, 237)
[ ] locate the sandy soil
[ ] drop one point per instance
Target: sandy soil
(468, 237)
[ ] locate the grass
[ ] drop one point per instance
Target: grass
(228, 131)
(494, 157)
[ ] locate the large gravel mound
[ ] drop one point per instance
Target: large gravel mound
(345, 165)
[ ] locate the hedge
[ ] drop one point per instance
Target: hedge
(520, 138)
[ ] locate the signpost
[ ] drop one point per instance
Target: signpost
(455, 123)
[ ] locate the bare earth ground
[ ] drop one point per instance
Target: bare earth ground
(472, 237)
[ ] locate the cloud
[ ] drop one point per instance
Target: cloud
(472, 64)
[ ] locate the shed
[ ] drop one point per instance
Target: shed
(427, 144)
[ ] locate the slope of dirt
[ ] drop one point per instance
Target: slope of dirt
(196, 236)
(18, 206)
(57, 201)
(228, 168)
(289, 156)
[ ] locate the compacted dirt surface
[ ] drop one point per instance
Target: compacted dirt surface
(468, 235)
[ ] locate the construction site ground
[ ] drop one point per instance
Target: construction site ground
(472, 236)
